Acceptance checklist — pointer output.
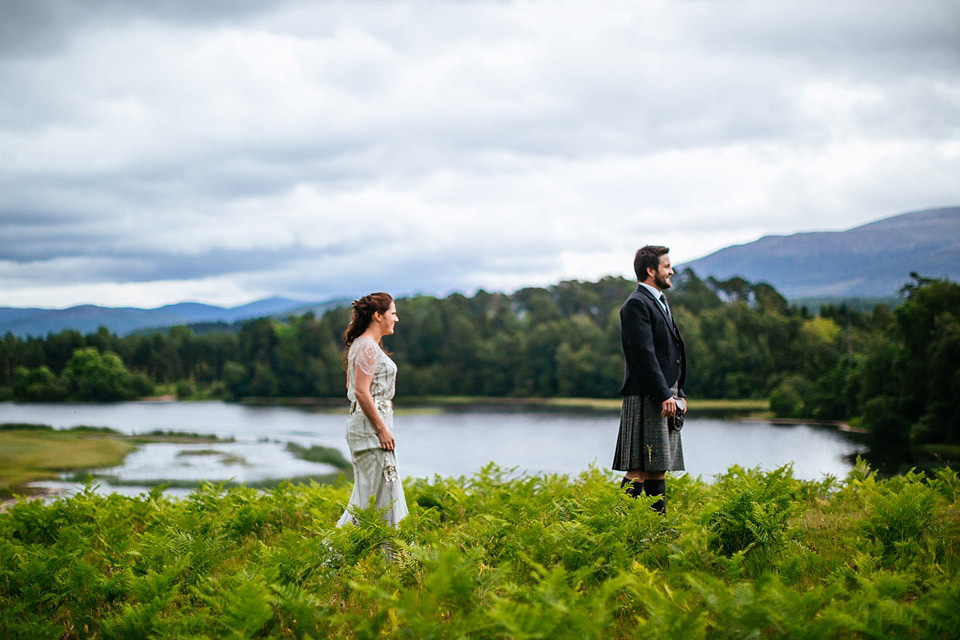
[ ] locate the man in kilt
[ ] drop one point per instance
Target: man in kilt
(654, 372)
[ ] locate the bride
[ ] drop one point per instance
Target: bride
(371, 383)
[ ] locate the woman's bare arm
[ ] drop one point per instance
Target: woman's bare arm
(361, 386)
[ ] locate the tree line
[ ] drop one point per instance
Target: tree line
(892, 371)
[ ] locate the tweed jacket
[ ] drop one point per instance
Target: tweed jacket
(653, 352)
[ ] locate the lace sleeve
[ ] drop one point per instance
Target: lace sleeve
(367, 357)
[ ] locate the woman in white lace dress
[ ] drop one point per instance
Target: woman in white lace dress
(371, 382)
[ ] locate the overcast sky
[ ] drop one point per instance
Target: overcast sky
(225, 151)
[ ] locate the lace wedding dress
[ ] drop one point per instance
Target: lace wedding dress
(374, 469)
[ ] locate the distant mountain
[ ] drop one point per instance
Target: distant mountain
(873, 260)
(870, 261)
(125, 320)
(8, 314)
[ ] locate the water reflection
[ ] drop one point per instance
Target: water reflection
(432, 442)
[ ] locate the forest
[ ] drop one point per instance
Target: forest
(893, 372)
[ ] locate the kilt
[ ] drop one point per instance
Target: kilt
(645, 442)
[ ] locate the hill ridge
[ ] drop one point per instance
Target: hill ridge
(871, 260)
(87, 318)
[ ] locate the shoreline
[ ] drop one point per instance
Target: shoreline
(604, 404)
(746, 410)
(749, 406)
(30, 493)
(836, 424)
(44, 449)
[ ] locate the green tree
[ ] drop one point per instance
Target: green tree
(786, 399)
(60, 347)
(692, 293)
(928, 323)
(235, 376)
(39, 384)
(264, 382)
(898, 374)
(258, 341)
(95, 376)
(10, 348)
(536, 305)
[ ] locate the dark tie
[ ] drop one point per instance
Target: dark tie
(666, 306)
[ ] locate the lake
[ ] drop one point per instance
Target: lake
(445, 442)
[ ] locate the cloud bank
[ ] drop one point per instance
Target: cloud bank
(227, 151)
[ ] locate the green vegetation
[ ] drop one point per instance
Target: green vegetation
(29, 426)
(317, 453)
(754, 555)
(893, 373)
(31, 452)
(741, 407)
(161, 435)
(200, 452)
(175, 483)
(224, 458)
(87, 375)
(35, 452)
(899, 377)
(546, 343)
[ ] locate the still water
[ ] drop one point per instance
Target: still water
(430, 442)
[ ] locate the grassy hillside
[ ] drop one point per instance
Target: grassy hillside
(752, 555)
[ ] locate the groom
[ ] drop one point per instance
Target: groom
(654, 372)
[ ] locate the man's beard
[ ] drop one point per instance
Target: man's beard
(661, 282)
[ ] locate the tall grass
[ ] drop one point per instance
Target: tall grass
(755, 554)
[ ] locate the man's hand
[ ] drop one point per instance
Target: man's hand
(668, 407)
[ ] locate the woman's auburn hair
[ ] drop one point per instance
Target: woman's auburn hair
(363, 310)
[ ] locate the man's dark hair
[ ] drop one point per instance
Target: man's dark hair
(648, 257)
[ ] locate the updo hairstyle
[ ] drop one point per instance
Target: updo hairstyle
(363, 310)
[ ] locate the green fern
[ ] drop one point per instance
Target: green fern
(495, 555)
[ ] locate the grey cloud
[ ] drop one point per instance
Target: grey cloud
(422, 115)
(143, 267)
(613, 112)
(42, 27)
(31, 244)
(28, 217)
(103, 264)
(411, 270)
(32, 27)
(273, 169)
(837, 31)
(237, 174)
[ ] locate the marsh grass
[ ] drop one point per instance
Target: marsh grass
(32, 452)
(37, 453)
(29, 426)
(199, 452)
(755, 554)
(333, 478)
(160, 435)
(318, 453)
(223, 458)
